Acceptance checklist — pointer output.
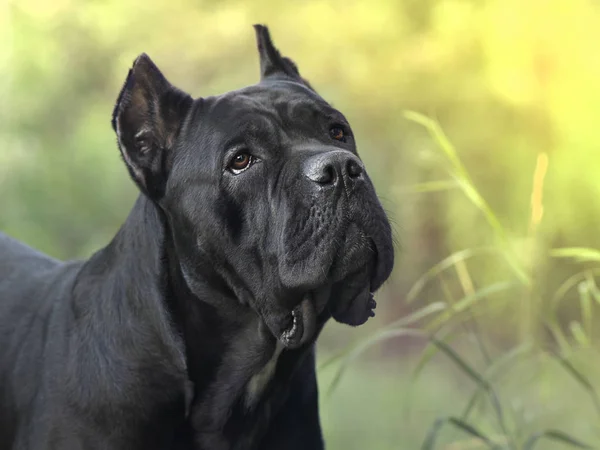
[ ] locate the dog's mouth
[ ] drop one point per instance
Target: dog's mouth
(349, 301)
(302, 324)
(348, 296)
(349, 308)
(345, 291)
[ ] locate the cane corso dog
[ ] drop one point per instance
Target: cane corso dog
(195, 327)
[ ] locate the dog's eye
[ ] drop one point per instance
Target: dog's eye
(241, 162)
(337, 133)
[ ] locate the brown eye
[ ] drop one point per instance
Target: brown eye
(240, 162)
(337, 133)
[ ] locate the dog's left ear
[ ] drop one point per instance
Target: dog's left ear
(147, 119)
(272, 64)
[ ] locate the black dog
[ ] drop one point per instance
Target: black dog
(195, 327)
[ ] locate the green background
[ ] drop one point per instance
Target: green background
(498, 172)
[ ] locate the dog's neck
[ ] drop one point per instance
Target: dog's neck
(229, 354)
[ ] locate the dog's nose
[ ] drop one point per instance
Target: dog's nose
(331, 167)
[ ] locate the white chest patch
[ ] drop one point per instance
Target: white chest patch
(259, 381)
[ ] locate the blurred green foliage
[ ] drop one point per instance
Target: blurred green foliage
(497, 171)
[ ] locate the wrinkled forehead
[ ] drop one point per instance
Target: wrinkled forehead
(281, 100)
(263, 110)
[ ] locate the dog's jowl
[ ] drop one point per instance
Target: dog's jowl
(195, 327)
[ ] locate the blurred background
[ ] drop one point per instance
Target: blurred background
(477, 122)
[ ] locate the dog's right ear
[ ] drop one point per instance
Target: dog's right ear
(147, 119)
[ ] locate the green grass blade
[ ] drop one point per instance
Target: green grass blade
(460, 362)
(463, 178)
(432, 435)
(580, 378)
(418, 315)
(585, 301)
(553, 327)
(428, 353)
(443, 265)
(573, 281)
(480, 380)
(594, 291)
(492, 372)
(557, 436)
(565, 287)
(400, 323)
(429, 186)
(473, 400)
(579, 334)
(438, 135)
(579, 254)
(467, 301)
(363, 345)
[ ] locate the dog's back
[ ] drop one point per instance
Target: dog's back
(20, 264)
(26, 277)
(25, 280)
(31, 284)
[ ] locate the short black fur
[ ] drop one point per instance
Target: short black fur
(195, 327)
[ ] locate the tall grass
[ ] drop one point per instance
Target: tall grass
(439, 322)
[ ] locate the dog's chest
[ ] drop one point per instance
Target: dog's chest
(259, 381)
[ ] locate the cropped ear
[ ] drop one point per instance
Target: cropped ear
(272, 64)
(147, 119)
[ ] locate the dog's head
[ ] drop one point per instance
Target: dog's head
(264, 192)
